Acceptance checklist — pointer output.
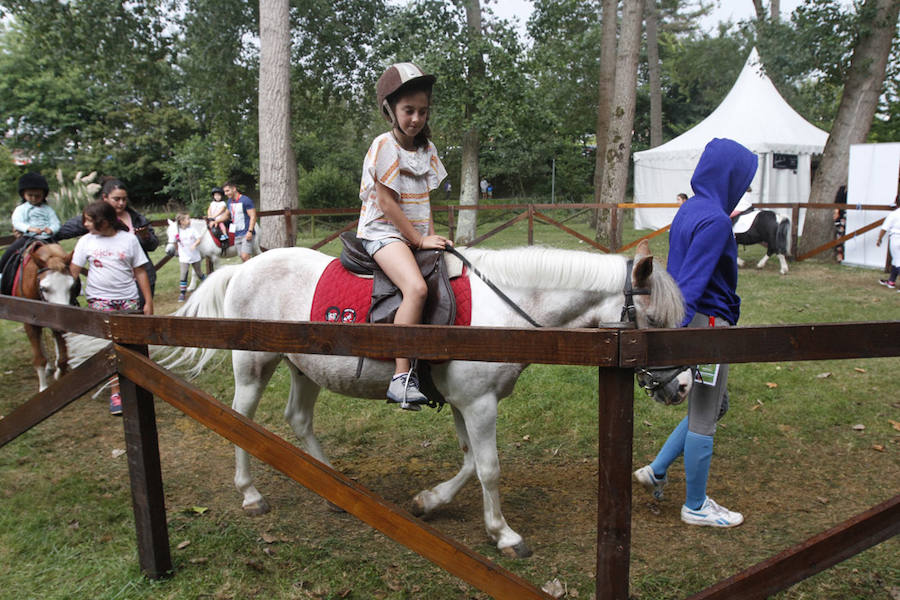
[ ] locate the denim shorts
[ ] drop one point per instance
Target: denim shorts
(373, 246)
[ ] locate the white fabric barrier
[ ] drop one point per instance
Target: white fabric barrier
(871, 179)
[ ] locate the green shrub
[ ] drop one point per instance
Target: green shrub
(327, 187)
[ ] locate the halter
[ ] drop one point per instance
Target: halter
(662, 379)
(629, 309)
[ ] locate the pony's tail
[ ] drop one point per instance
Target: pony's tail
(783, 237)
(207, 301)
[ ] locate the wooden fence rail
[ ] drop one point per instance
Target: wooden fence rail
(615, 352)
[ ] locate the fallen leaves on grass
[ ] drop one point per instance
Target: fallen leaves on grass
(117, 452)
(878, 447)
(894, 424)
(859, 427)
(823, 375)
(859, 369)
(183, 544)
(771, 385)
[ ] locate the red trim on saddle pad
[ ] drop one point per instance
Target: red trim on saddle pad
(26, 257)
(344, 297)
(214, 234)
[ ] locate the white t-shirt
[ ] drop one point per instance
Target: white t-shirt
(185, 241)
(215, 208)
(892, 223)
(411, 174)
(111, 261)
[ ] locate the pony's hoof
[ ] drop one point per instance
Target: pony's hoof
(520, 550)
(417, 507)
(260, 507)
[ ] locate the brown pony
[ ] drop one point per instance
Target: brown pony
(44, 275)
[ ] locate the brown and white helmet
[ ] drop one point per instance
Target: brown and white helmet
(397, 77)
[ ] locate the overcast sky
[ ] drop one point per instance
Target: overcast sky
(734, 10)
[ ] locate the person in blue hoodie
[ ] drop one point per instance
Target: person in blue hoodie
(703, 260)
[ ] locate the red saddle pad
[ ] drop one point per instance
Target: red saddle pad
(344, 297)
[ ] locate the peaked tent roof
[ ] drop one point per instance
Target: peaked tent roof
(753, 114)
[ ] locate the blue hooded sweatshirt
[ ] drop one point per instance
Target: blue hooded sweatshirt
(702, 250)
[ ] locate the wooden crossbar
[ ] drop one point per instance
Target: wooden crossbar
(389, 519)
(570, 231)
(58, 395)
(813, 556)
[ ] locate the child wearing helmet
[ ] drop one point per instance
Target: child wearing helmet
(399, 171)
(34, 218)
(217, 216)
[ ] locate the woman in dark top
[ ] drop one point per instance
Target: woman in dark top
(115, 194)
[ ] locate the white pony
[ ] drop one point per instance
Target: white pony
(207, 247)
(558, 288)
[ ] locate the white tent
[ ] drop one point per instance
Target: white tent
(871, 179)
(753, 114)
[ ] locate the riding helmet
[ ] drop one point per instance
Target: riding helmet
(32, 181)
(397, 77)
(217, 189)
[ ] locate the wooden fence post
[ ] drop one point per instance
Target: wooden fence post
(531, 225)
(614, 482)
(147, 498)
(451, 221)
(795, 228)
(288, 229)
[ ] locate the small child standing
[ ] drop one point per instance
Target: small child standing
(186, 242)
(891, 227)
(34, 218)
(116, 269)
(400, 170)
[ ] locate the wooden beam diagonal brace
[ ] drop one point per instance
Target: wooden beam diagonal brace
(60, 394)
(328, 483)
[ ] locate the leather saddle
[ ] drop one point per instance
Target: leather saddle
(440, 304)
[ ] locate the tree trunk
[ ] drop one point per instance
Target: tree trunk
(468, 185)
(859, 100)
(653, 75)
(604, 98)
(277, 166)
(621, 121)
(759, 9)
(775, 10)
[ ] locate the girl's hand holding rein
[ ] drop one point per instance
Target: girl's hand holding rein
(433, 242)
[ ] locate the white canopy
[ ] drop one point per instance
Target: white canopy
(753, 114)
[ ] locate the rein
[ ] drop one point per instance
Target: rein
(628, 318)
(493, 287)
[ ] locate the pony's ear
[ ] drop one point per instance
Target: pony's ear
(643, 249)
(38, 255)
(170, 221)
(643, 268)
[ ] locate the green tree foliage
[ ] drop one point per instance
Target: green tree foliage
(433, 33)
(89, 84)
(163, 93)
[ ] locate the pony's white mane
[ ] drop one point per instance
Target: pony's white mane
(550, 268)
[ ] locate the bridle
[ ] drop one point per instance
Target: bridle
(629, 310)
(662, 379)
